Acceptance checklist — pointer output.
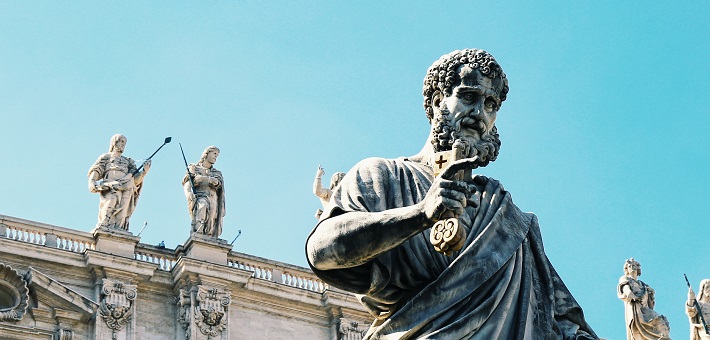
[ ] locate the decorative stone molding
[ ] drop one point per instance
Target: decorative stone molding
(349, 329)
(183, 301)
(116, 307)
(211, 310)
(63, 334)
(14, 295)
(202, 311)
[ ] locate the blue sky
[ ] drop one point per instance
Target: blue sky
(604, 130)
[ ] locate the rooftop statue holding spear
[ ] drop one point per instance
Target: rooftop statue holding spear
(698, 310)
(204, 190)
(117, 179)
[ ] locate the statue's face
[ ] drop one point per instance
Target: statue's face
(212, 156)
(468, 116)
(632, 269)
(120, 144)
(474, 104)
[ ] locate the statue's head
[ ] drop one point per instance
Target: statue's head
(335, 179)
(632, 268)
(463, 92)
(210, 154)
(118, 143)
(704, 293)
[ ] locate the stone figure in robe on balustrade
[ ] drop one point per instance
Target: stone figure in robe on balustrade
(642, 322)
(697, 330)
(204, 188)
(118, 182)
(322, 192)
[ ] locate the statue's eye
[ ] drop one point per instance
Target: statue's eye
(469, 97)
(491, 104)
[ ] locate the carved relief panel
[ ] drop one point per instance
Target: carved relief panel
(116, 307)
(203, 313)
(349, 329)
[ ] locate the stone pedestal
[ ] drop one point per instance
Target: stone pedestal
(206, 248)
(116, 242)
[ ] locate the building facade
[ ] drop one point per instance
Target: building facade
(64, 284)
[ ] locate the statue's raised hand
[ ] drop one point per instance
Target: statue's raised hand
(446, 194)
(146, 166)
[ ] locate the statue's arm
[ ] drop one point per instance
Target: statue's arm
(138, 176)
(651, 297)
(318, 188)
(96, 171)
(625, 292)
(355, 238)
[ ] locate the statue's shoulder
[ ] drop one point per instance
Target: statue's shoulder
(626, 280)
(372, 162)
(103, 159)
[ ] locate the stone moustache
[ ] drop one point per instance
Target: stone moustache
(373, 238)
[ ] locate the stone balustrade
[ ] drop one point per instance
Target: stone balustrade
(78, 241)
(163, 257)
(278, 272)
(45, 234)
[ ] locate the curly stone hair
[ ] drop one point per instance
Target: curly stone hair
(442, 75)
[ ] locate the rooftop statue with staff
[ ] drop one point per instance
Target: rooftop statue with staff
(204, 190)
(698, 310)
(118, 182)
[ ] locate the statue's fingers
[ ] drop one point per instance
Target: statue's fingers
(453, 205)
(462, 164)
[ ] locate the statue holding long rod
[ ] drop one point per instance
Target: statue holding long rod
(204, 190)
(119, 182)
(698, 309)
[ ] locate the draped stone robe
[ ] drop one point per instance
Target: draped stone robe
(499, 286)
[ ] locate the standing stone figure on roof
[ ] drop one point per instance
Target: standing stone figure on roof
(204, 189)
(118, 182)
(322, 192)
(642, 322)
(484, 273)
(697, 331)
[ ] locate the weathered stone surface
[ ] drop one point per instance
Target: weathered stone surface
(373, 238)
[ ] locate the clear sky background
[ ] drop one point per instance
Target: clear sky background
(604, 131)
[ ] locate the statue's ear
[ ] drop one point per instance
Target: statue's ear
(436, 98)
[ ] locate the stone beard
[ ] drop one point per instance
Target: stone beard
(446, 132)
